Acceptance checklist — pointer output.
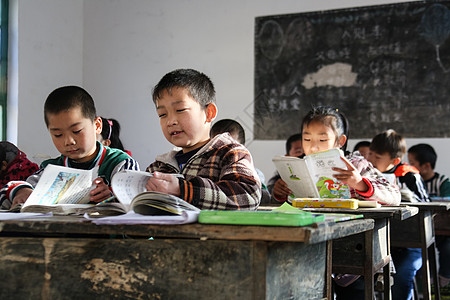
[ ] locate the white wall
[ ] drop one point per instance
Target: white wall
(50, 54)
(119, 49)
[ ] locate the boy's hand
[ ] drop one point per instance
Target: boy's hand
(280, 190)
(21, 196)
(164, 183)
(100, 192)
(351, 176)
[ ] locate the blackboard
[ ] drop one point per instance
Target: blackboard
(384, 67)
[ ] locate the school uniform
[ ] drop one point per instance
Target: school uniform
(438, 186)
(220, 175)
(108, 160)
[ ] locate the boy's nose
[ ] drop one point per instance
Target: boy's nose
(172, 121)
(69, 141)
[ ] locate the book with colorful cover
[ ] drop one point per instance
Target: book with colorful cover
(312, 176)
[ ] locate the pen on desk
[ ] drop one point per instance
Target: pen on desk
(110, 199)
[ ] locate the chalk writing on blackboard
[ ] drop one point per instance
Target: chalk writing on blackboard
(384, 66)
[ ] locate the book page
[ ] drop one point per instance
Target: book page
(128, 183)
(156, 203)
(294, 172)
(320, 166)
(62, 185)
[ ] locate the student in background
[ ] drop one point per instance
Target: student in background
(386, 152)
(218, 172)
(14, 165)
(110, 135)
(71, 120)
(277, 187)
(364, 148)
(423, 157)
(238, 133)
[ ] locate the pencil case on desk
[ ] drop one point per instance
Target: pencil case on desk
(321, 203)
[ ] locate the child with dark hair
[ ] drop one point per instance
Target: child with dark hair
(237, 132)
(218, 171)
(363, 147)
(294, 145)
(70, 116)
(324, 128)
(110, 135)
(14, 165)
(232, 127)
(423, 157)
(293, 148)
(386, 152)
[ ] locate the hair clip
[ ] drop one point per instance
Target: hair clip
(110, 128)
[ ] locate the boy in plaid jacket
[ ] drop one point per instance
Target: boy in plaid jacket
(218, 172)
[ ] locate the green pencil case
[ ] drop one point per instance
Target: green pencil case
(269, 218)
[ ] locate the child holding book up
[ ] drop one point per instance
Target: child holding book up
(218, 171)
(70, 116)
(324, 128)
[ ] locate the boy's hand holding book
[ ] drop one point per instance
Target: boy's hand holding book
(100, 192)
(164, 183)
(21, 196)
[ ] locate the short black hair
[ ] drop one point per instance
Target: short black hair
(424, 153)
(199, 86)
(389, 141)
(231, 126)
(361, 144)
(67, 97)
(291, 139)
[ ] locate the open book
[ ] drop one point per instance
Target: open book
(312, 176)
(129, 188)
(61, 190)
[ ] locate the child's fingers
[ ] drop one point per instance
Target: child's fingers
(350, 166)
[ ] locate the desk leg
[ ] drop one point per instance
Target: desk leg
(433, 256)
(368, 268)
(328, 281)
(387, 268)
(425, 262)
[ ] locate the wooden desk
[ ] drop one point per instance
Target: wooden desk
(68, 257)
(367, 252)
(418, 232)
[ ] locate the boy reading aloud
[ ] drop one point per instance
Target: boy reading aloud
(70, 116)
(218, 172)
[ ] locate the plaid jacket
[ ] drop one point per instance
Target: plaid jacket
(380, 189)
(220, 176)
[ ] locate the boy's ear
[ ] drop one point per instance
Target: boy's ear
(98, 125)
(211, 112)
(106, 142)
(396, 161)
(342, 139)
